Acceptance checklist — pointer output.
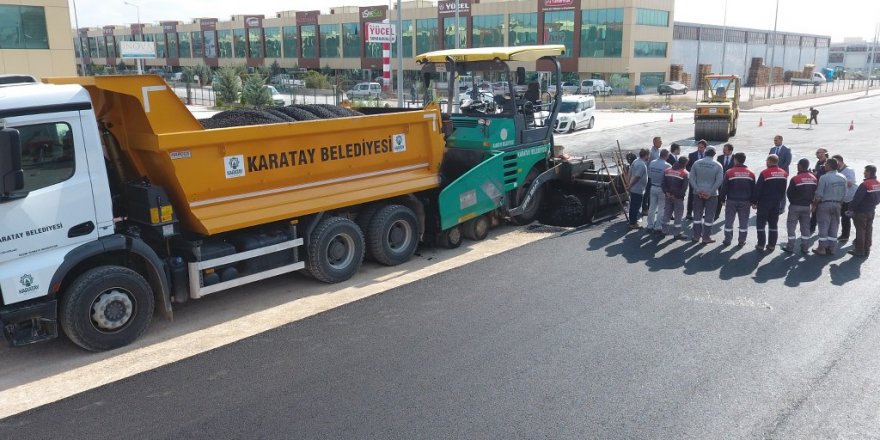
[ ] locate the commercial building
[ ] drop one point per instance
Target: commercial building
(35, 38)
(730, 50)
(625, 42)
(854, 55)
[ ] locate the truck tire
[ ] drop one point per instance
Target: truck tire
(477, 228)
(531, 211)
(335, 250)
(392, 236)
(106, 307)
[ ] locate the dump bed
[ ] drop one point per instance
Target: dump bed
(229, 178)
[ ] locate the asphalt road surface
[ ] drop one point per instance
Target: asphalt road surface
(590, 333)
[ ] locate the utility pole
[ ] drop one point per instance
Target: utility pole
(140, 29)
(399, 39)
(773, 51)
(457, 38)
(873, 55)
(82, 56)
(724, 40)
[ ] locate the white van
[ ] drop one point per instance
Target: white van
(365, 90)
(596, 87)
(576, 111)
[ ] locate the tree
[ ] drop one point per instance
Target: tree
(315, 80)
(227, 85)
(203, 72)
(275, 68)
(255, 92)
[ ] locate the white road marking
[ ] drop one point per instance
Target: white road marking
(77, 380)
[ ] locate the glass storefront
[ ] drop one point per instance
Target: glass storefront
(559, 29)
(488, 31)
(255, 43)
(351, 40)
(183, 45)
(198, 47)
(449, 31)
(307, 33)
(602, 33)
(426, 35)
(239, 45)
(290, 41)
(650, 49)
(224, 42)
(210, 44)
(272, 40)
(329, 47)
(407, 41)
(523, 29)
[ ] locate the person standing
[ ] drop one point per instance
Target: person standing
(705, 179)
(726, 161)
(675, 183)
(845, 221)
(656, 143)
(638, 181)
(801, 192)
(737, 187)
(818, 170)
(862, 205)
(656, 170)
(674, 152)
(769, 193)
(829, 197)
(814, 116)
(784, 155)
(693, 157)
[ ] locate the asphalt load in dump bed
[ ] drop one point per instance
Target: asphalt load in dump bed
(275, 115)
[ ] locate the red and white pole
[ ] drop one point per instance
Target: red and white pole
(386, 67)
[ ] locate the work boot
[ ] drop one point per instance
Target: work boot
(820, 251)
(787, 248)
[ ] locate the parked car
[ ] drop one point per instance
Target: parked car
(277, 98)
(365, 90)
(596, 87)
(576, 111)
(672, 88)
(568, 87)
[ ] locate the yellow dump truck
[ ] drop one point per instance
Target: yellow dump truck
(117, 202)
(114, 194)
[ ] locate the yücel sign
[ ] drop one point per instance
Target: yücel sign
(380, 33)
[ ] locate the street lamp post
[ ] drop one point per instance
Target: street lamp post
(773, 52)
(140, 33)
(82, 56)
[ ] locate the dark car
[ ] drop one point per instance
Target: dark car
(672, 88)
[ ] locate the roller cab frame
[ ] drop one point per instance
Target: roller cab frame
(717, 115)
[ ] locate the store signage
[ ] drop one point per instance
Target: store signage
(253, 21)
(448, 7)
(558, 3)
(137, 49)
(380, 33)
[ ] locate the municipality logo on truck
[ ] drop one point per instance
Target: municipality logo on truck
(234, 166)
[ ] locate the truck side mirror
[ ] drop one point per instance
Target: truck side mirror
(11, 174)
(520, 76)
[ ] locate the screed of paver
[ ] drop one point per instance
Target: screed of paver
(53, 388)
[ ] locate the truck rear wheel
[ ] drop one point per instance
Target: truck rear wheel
(476, 228)
(106, 307)
(335, 250)
(392, 235)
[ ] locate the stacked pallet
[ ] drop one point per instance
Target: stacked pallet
(703, 70)
(685, 79)
(675, 72)
(757, 73)
(778, 74)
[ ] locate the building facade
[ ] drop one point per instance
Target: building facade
(626, 42)
(730, 50)
(35, 38)
(854, 55)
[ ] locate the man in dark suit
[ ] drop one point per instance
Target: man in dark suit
(674, 153)
(784, 154)
(726, 161)
(693, 157)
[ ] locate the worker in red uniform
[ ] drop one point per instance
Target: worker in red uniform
(737, 188)
(801, 192)
(769, 194)
(862, 211)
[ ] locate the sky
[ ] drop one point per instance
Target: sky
(838, 19)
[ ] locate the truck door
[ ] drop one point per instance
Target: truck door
(57, 213)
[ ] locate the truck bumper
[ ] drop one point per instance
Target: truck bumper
(30, 323)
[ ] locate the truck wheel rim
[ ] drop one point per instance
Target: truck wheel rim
(399, 235)
(112, 309)
(340, 252)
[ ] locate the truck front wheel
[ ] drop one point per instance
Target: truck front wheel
(335, 250)
(106, 307)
